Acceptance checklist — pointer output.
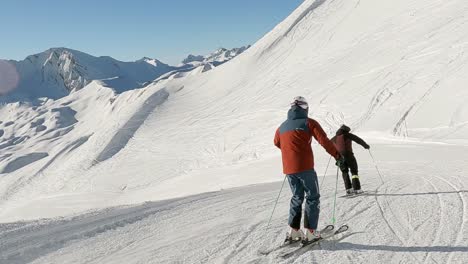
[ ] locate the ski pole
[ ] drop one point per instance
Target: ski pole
(377, 168)
(277, 199)
(333, 220)
(325, 174)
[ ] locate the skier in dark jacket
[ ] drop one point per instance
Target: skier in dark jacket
(294, 138)
(343, 142)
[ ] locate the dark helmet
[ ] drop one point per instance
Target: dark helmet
(345, 128)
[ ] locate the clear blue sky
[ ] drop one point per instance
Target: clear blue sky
(131, 29)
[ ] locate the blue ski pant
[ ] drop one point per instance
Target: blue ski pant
(304, 185)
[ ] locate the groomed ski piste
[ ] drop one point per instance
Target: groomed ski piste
(185, 171)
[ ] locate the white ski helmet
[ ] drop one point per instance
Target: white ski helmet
(300, 101)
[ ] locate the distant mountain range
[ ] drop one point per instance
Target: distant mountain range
(57, 72)
(219, 56)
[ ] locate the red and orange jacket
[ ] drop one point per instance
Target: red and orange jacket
(294, 138)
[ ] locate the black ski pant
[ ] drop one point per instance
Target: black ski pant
(350, 164)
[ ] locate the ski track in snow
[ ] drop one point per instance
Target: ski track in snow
(460, 227)
(40, 237)
(388, 222)
(442, 212)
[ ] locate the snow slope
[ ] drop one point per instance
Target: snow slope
(415, 217)
(43, 138)
(393, 70)
(354, 64)
(222, 123)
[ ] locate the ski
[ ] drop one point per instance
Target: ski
(305, 247)
(290, 243)
(353, 195)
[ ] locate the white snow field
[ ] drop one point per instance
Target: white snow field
(184, 170)
(418, 215)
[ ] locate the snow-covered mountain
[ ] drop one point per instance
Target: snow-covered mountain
(74, 93)
(219, 56)
(58, 71)
(193, 58)
(393, 70)
(196, 64)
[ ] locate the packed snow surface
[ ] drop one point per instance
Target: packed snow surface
(413, 217)
(196, 146)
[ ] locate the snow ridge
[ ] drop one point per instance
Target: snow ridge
(58, 72)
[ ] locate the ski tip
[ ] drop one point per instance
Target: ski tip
(343, 228)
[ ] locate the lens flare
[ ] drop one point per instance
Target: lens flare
(9, 77)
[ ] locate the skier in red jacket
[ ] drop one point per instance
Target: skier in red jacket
(343, 142)
(294, 138)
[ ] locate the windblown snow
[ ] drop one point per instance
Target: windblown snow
(182, 169)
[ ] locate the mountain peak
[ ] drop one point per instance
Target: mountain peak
(62, 50)
(193, 58)
(219, 55)
(152, 61)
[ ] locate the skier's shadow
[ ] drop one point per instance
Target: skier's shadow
(324, 245)
(334, 245)
(338, 245)
(442, 249)
(412, 194)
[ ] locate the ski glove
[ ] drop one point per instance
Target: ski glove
(340, 162)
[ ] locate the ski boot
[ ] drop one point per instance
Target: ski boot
(295, 235)
(356, 182)
(311, 236)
